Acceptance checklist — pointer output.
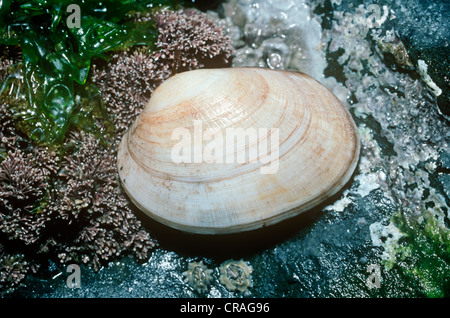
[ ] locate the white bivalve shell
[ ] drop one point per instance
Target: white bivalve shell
(306, 144)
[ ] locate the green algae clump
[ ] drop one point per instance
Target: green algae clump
(56, 55)
(423, 253)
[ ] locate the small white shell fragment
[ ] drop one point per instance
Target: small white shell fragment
(314, 156)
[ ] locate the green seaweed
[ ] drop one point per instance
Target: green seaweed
(57, 56)
(423, 254)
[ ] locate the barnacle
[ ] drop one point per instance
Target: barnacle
(236, 275)
(198, 276)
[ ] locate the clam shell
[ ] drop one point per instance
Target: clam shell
(317, 154)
